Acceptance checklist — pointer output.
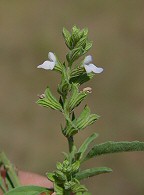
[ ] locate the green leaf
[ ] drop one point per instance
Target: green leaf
(86, 143)
(114, 147)
(50, 101)
(28, 190)
(76, 97)
(92, 172)
(86, 118)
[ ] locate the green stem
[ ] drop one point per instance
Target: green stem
(12, 176)
(71, 143)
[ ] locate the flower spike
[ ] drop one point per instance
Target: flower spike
(49, 64)
(91, 67)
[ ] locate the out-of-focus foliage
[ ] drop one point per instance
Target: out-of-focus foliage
(29, 30)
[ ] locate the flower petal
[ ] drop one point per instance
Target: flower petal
(95, 69)
(47, 65)
(87, 68)
(88, 59)
(52, 57)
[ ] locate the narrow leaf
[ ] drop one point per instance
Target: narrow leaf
(92, 172)
(28, 190)
(86, 143)
(114, 147)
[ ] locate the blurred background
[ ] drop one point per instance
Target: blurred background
(30, 134)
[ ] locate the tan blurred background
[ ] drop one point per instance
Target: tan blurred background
(29, 134)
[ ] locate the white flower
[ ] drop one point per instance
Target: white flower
(91, 67)
(49, 64)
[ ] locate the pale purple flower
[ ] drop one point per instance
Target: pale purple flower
(49, 64)
(91, 67)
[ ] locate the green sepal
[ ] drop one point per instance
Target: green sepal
(92, 172)
(77, 187)
(74, 186)
(76, 36)
(86, 118)
(60, 175)
(88, 46)
(49, 101)
(75, 166)
(79, 75)
(114, 147)
(59, 166)
(74, 54)
(58, 67)
(63, 87)
(82, 42)
(67, 37)
(86, 143)
(76, 97)
(29, 190)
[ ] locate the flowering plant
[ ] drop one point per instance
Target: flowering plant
(68, 174)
